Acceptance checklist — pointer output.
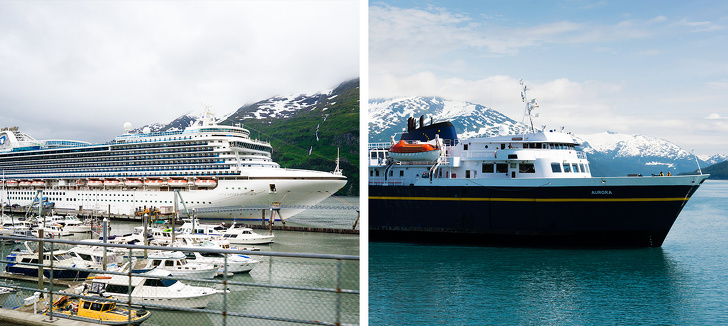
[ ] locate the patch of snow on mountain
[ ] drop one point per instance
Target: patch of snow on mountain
(624, 145)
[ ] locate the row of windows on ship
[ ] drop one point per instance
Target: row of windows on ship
(490, 168)
(528, 145)
(92, 197)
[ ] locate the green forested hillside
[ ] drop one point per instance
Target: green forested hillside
(292, 138)
(717, 171)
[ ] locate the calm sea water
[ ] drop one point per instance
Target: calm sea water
(683, 283)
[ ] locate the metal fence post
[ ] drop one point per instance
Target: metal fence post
(224, 291)
(338, 292)
(50, 312)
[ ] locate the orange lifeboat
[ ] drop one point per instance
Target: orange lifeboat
(111, 183)
(177, 182)
(38, 183)
(11, 183)
(205, 183)
(403, 151)
(152, 182)
(133, 183)
(95, 183)
(25, 183)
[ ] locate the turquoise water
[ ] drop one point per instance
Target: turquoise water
(683, 283)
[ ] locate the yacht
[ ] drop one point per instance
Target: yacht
(149, 288)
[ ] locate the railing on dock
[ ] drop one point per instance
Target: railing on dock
(283, 288)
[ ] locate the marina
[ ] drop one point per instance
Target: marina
(269, 289)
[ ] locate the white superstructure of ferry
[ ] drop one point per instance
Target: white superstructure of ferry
(215, 168)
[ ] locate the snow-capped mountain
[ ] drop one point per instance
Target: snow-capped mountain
(610, 154)
(388, 117)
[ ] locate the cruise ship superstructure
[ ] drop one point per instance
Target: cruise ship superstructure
(214, 168)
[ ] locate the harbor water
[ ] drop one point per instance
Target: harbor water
(682, 283)
(275, 271)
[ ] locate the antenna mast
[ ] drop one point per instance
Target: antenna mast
(530, 105)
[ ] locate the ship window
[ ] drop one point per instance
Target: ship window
(376, 172)
(465, 147)
(488, 168)
(503, 146)
(371, 173)
(587, 167)
(575, 167)
(391, 173)
(526, 168)
(467, 174)
(501, 168)
(581, 167)
(556, 167)
(401, 173)
(567, 167)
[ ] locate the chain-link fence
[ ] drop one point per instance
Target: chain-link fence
(180, 286)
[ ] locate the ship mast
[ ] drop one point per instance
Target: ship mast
(530, 105)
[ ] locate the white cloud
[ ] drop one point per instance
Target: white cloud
(91, 66)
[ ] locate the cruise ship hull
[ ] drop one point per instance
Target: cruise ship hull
(613, 212)
(232, 199)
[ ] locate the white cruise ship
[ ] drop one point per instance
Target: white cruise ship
(219, 171)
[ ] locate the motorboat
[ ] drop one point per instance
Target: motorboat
(93, 257)
(62, 261)
(244, 235)
(73, 224)
(236, 263)
(176, 264)
(150, 288)
(98, 310)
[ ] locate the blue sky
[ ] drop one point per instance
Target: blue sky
(641, 67)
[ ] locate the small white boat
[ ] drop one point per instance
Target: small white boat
(54, 230)
(93, 257)
(235, 263)
(148, 288)
(72, 224)
(244, 235)
(176, 264)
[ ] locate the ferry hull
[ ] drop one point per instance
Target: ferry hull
(633, 212)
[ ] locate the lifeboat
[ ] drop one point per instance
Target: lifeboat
(403, 151)
(38, 183)
(111, 183)
(205, 183)
(177, 182)
(133, 183)
(11, 183)
(25, 183)
(80, 182)
(154, 182)
(95, 183)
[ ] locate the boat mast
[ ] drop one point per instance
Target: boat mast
(530, 105)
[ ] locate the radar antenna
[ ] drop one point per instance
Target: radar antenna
(530, 105)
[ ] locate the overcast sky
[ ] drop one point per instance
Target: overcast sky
(80, 69)
(657, 68)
